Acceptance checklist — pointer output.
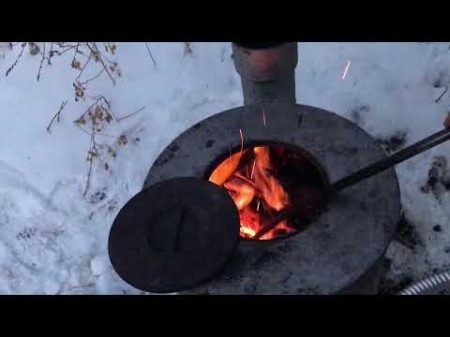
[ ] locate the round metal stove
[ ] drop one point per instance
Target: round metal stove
(342, 245)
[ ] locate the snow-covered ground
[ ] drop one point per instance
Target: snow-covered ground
(53, 240)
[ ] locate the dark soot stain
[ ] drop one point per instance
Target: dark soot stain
(394, 142)
(407, 234)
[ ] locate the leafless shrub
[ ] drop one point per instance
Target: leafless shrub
(99, 115)
(94, 121)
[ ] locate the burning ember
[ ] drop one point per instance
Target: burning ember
(256, 178)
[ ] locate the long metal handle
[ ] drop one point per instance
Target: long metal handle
(386, 163)
(371, 170)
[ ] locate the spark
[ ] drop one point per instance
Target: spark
(346, 70)
(264, 117)
(253, 169)
(257, 206)
(242, 140)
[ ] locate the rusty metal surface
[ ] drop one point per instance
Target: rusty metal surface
(174, 235)
(267, 64)
(268, 74)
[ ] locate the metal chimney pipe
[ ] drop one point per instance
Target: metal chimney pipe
(267, 71)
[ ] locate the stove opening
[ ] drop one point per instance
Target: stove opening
(267, 183)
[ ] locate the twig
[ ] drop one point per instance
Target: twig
(81, 71)
(96, 100)
(17, 60)
(92, 78)
(48, 57)
(100, 58)
(100, 97)
(67, 49)
(42, 62)
(88, 181)
(130, 114)
(77, 46)
(65, 44)
(84, 130)
(103, 55)
(439, 98)
(91, 152)
(151, 56)
(56, 116)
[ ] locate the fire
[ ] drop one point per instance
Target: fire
(272, 191)
(251, 181)
(247, 231)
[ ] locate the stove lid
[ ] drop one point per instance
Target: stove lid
(174, 235)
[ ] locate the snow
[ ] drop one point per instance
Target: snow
(54, 241)
(99, 265)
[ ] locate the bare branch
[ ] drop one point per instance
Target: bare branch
(84, 130)
(442, 95)
(130, 114)
(40, 65)
(103, 55)
(91, 156)
(82, 69)
(96, 100)
(51, 48)
(76, 52)
(67, 49)
(99, 98)
(88, 179)
(17, 60)
(95, 120)
(151, 56)
(101, 60)
(56, 116)
(93, 77)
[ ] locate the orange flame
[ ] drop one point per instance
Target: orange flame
(225, 169)
(273, 192)
(261, 188)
